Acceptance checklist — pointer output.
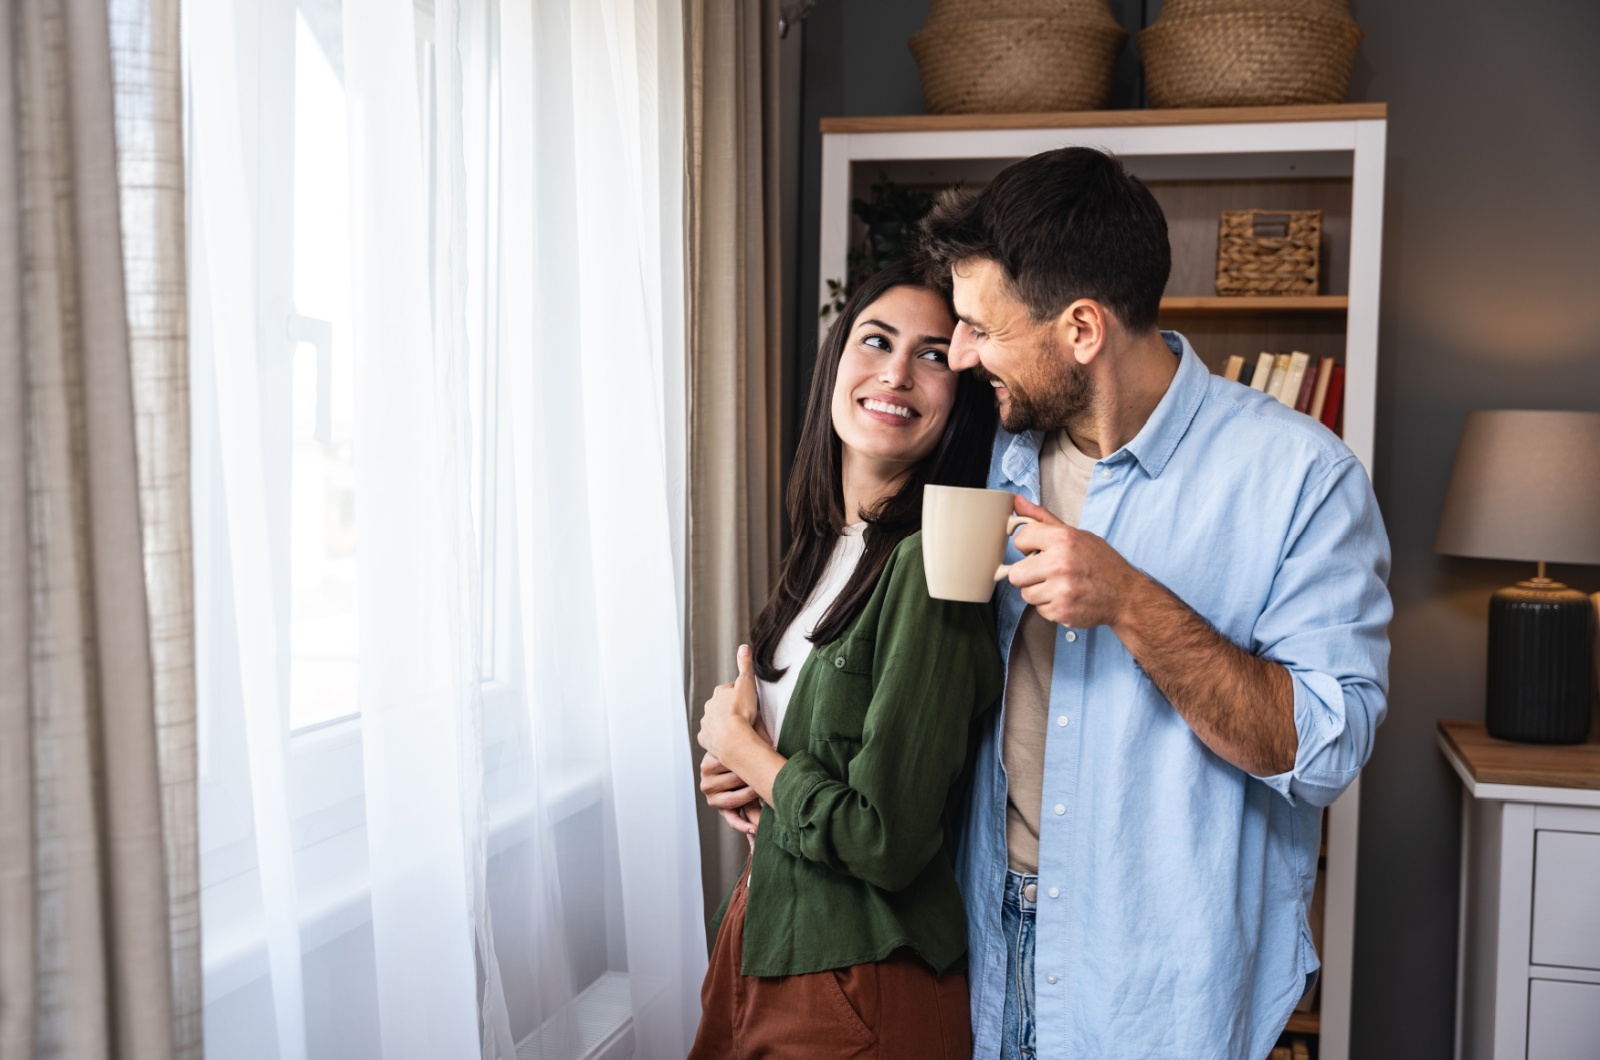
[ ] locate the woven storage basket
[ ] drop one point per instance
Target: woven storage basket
(1182, 10)
(1016, 65)
(1093, 11)
(1240, 58)
(1250, 263)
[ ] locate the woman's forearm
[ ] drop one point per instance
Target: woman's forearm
(754, 760)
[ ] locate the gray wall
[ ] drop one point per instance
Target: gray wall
(1491, 299)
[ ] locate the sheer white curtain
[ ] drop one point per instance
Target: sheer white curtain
(438, 346)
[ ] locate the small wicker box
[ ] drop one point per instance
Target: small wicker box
(1269, 251)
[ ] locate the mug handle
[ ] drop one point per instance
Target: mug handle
(1011, 527)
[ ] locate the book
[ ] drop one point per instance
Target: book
(1280, 371)
(1335, 399)
(1307, 386)
(1235, 366)
(1319, 396)
(1300, 1050)
(1294, 378)
(1247, 373)
(1263, 372)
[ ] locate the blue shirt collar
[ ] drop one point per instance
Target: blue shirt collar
(1155, 443)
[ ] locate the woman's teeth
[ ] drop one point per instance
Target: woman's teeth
(884, 406)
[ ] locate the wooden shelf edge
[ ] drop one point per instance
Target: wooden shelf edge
(1106, 118)
(1305, 1023)
(1224, 305)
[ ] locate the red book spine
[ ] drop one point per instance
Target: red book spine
(1307, 387)
(1334, 405)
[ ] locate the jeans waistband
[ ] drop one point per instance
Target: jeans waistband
(1022, 889)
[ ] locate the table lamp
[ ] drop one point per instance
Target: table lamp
(1526, 486)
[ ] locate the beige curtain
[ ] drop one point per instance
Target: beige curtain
(99, 941)
(734, 351)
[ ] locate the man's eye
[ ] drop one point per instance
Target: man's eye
(979, 335)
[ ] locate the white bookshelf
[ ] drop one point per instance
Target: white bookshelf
(1327, 157)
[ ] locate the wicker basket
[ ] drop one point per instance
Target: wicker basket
(1092, 11)
(1249, 262)
(1182, 10)
(1242, 58)
(1016, 65)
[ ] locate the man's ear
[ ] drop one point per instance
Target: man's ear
(1082, 328)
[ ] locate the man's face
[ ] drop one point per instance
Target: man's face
(1038, 383)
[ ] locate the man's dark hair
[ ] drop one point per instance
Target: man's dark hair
(1062, 225)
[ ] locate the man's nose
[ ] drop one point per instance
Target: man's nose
(963, 349)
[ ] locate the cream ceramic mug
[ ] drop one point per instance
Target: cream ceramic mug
(964, 535)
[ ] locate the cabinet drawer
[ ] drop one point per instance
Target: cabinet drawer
(1563, 1020)
(1566, 912)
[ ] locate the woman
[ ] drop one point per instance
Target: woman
(847, 937)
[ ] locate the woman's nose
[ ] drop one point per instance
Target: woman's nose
(896, 372)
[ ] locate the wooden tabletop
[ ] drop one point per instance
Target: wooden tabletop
(1492, 761)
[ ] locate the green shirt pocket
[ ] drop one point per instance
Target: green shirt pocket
(844, 689)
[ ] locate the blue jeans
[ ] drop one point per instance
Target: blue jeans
(1016, 922)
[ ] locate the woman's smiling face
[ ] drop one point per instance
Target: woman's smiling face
(895, 389)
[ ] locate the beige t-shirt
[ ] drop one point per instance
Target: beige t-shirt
(1064, 474)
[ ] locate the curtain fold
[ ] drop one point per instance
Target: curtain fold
(735, 350)
(97, 845)
(439, 359)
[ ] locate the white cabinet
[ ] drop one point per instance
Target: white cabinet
(1563, 1020)
(1528, 963)
(1566, 899)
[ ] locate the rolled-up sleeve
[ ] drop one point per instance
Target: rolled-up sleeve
(1327, 622)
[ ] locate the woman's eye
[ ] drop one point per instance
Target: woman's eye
(877, 342)
(938, 356)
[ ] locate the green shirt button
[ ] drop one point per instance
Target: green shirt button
(839, 662)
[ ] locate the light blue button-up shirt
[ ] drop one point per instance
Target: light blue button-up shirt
(1173, 887)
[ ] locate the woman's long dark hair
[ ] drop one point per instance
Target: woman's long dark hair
(816, 494)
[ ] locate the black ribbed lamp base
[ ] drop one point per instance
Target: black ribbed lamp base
(1541, 658)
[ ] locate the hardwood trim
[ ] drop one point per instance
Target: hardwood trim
(1102, 118)
(1252, 305)
(1305, 1023)
(1492, 761)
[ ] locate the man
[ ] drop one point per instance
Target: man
(1196, 644)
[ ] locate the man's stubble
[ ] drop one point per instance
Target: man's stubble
(1056, 393)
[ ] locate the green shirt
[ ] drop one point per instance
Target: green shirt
(854, 858)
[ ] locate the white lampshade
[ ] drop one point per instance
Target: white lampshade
(1526, 486)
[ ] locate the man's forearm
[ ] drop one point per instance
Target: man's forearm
(1241, 706)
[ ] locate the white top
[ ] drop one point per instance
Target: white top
(794, 647)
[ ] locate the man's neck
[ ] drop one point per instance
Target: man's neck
(1131, 375)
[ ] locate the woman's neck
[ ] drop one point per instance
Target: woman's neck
(867, 483)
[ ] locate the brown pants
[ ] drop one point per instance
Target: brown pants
(895, 1009)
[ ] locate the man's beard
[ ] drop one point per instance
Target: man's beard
(1052, 400)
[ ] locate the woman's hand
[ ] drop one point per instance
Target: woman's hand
(732, 711)
(728, 794)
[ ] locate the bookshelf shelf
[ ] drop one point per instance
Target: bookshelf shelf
(1305, 1023)
(1196, 163)
(1254, 305)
